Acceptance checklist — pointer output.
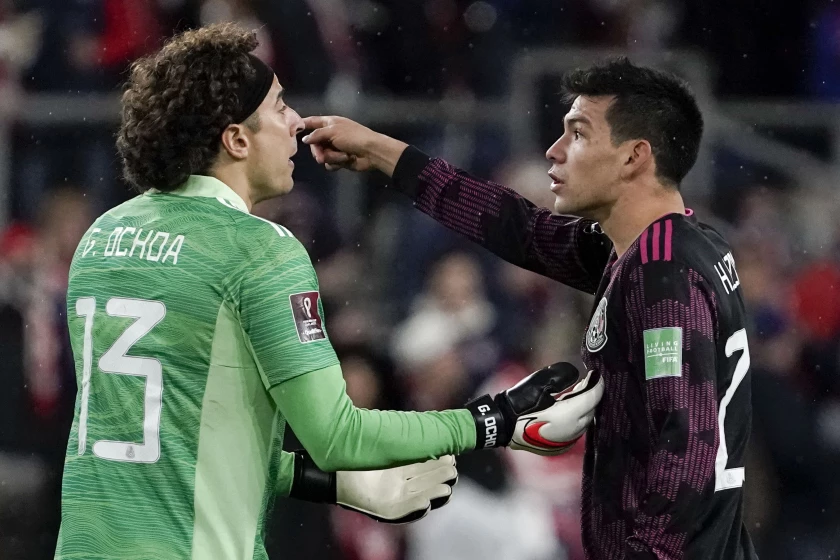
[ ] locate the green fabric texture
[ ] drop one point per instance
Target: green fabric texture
(342, 437)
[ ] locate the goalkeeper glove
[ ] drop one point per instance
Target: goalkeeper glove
(398, 495)
(545, 413)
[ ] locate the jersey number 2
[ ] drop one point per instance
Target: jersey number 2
(148, 314)
(734, 477)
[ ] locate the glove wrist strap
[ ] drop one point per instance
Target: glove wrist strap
(490, 428)
(311, 483)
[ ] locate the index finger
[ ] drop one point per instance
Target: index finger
(315, 122)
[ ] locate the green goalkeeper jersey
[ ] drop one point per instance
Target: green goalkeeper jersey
(185, 313)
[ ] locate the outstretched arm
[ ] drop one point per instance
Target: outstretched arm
(544, 413)
(276, 300)
(567, 249)
(340, 436)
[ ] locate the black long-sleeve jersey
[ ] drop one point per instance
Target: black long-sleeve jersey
(664, 463)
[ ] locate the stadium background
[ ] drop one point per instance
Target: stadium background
(421, 319)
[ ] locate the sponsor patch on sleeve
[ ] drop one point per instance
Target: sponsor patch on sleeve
(663, 352)
(307, 317)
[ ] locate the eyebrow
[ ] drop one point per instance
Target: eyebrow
(578, 120)
(279, 96)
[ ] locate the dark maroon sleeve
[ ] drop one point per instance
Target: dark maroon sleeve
(681, 409)
(570, 250)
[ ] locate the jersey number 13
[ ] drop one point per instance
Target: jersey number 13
(114, 360)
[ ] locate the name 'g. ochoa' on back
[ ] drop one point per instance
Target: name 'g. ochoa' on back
(155, 246)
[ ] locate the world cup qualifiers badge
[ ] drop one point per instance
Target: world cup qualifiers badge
(596, 334)
(307, 316)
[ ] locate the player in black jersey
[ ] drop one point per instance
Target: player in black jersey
(664, 464)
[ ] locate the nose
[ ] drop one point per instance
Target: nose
(297, 123)
(556, 153)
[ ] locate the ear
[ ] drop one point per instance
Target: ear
(235, 141)
(638, 157)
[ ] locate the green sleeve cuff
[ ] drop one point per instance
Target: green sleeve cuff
(286, 474)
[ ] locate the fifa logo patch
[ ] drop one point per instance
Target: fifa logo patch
(663, 352)
(307, 316)
(596, 334)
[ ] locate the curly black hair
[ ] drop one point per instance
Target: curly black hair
(649, 104)
(178, 101)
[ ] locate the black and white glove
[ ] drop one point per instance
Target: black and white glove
(545, 413)
(398, 495)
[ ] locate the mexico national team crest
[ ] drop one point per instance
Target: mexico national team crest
(307, 317)
(596, 334)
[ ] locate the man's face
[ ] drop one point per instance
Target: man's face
(275, 142)
(586, 166)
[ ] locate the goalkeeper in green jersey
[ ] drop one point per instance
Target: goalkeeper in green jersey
(198, 333)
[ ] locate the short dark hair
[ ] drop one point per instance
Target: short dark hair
(178, 101)
(649, 104)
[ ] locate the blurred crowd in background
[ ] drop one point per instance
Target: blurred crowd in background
(421, 319)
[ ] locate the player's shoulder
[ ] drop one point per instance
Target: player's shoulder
(260, 229)
(678, 253)
(128, 209)
(257, 235)
(684, 242)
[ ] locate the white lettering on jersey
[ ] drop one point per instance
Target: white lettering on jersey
(728, 275)
(142, 244)
(111, 244)
(159, 235)
(154, 245)
(174, 249)
(117, 252)
(90, 242)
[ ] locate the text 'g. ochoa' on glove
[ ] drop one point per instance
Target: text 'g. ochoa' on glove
(545, 413)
